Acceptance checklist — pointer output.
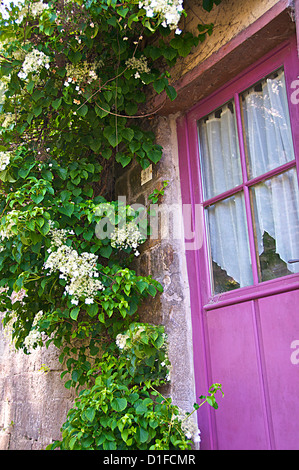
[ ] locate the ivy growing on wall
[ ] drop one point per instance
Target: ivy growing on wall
(74, 78)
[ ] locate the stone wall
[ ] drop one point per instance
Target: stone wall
(33, 400)
(229, 19)
(164, 259)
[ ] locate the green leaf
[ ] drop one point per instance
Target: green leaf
(90, 414)
(24, 172)
(208, 4)
(171, 92)
(122, 11)
(92, 310)
(154, 52)
(72, 442)
(141, 285)
(152, 290)
(95, 144)
(141, 409)
(119, 404)
(75, 57)
(106, 153)
(30, 86)
(45, 229)
(74, 313)
(62, 172)
(169, 53)
(106, 251)
(131, 108)
(113, 137)
(160, 84)
(123, 159)
(82, 110)
(102, 110)
(142, 434)
(47, 174)
(56, 103)
(87, 235)
(37, 198)
(67, 209)
(127, 133)
(37, 95)
(37, 111)
(68, 384)
(154, 155)
(65, 195)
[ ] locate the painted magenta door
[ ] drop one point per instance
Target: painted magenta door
(239, 171)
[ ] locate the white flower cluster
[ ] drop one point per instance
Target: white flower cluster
(9, 326)
(34, 9)
(128, 236)
(33, 63)
(140, 65)
(18, 296)
(58, 236)
(34, 338)
(169, 10)
(8, 330)
(79, 270)
(4, 159)
(10, 220)
(121, 340)
(189, 426)
(81, 73)
(7, 121)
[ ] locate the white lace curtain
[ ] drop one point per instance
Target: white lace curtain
(269, 145)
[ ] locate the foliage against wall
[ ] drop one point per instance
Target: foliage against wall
(74, 78)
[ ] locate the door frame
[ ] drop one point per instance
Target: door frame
(192, 194)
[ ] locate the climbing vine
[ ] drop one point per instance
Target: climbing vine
(74, 79)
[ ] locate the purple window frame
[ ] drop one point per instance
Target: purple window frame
(192, 192)
(285, 55)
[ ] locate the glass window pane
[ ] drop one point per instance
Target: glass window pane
(268, 136)
(219, 151)
(276, 210)
(228, 236)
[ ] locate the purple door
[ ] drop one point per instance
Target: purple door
(242, 149)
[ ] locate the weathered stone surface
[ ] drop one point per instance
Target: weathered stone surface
(33, 404)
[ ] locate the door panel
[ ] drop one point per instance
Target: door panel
(240, 418)
(279, 319)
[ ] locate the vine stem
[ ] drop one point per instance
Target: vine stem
(132, 117)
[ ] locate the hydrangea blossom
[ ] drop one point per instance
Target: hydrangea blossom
(18, 296)
(79, 270)
(33, 63)
(8, 120)
(34, 9)
(140, 65)
(9, 325)
(189, 426)
(83, 72)
(168, 10)
(4, 160)
(34, 338)
(121, 341)
(8, 222)
(128, 236)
